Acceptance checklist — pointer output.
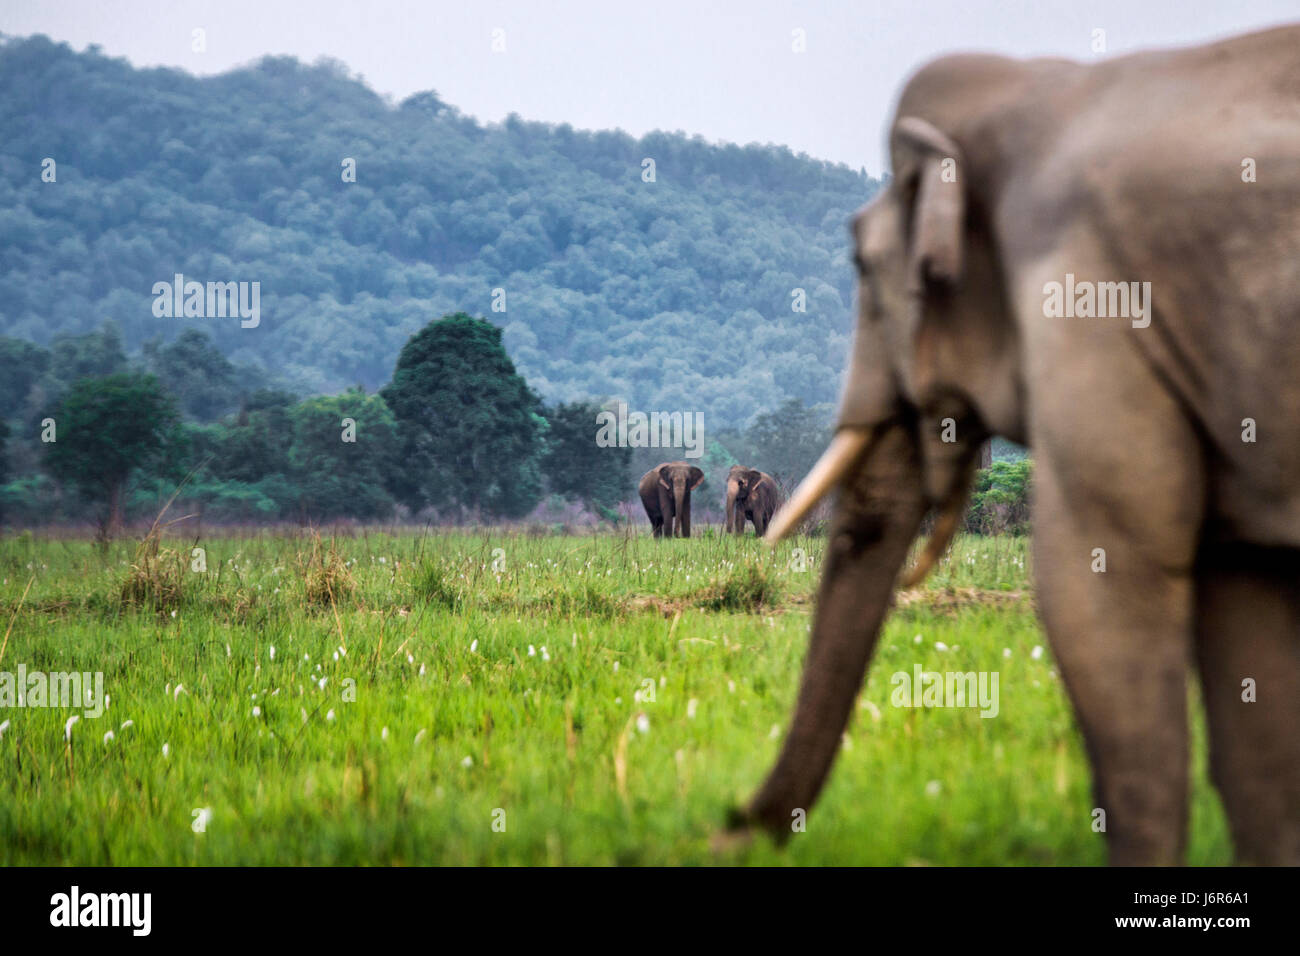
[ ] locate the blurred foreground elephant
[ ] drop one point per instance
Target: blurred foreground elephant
(666, 493)
(995, 296)
(751, 496)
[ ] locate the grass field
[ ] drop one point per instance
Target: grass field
(605, 698)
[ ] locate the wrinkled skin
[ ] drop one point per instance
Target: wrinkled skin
(752, 495)
(666, 493)
(1125, 170)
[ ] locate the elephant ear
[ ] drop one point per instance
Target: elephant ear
(697, 476)
(753, 477)
(663, 478)
(939, 213)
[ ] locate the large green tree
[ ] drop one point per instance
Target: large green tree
(576, 467)
(342, 455)
(471, 430)
(107, 430)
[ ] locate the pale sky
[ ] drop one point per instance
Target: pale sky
(725, 70)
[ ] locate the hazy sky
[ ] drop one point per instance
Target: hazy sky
(725, 70)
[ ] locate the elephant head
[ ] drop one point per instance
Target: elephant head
(933, 372)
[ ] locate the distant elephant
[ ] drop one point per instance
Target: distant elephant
(1166, 535)
(666, 493)
(751, 496)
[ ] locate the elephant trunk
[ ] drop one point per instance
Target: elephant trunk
(879, 514)
(732, 522)
(682, 501)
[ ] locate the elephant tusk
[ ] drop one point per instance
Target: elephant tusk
(951, 513)
(944, 528)
(834, 463)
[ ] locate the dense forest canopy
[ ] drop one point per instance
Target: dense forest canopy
(676, 293)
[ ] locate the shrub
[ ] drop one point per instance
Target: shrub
(433, 583)
(747, 587)
(325, 575)
(157, 575)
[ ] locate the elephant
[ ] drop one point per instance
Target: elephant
(751, 496)
(1166, 529)
(666, 493)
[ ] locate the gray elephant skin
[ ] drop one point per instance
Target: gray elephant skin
(1166, 515)
(752, 496)
(666, 493)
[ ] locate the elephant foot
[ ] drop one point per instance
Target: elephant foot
(730, 842)
(737, 835)
(742, 825)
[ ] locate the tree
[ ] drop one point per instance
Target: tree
(94, 354)
(256, 443)
(786, 443)
(4, 462)
(21, 365)
(108, 429)
(471, 429)
(573, 464)
(342, 454)
(191, 368)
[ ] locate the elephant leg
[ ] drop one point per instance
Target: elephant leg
(657, 527)
(760, 523)
(666, 511)
(1122, 637)
(1248, 653)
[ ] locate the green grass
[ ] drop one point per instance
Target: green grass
(517, 679)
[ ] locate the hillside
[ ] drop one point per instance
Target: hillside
(672, 294)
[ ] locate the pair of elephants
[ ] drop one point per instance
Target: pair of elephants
(1166, 437)
(752, 496)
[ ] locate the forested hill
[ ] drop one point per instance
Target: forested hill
(673, 294)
